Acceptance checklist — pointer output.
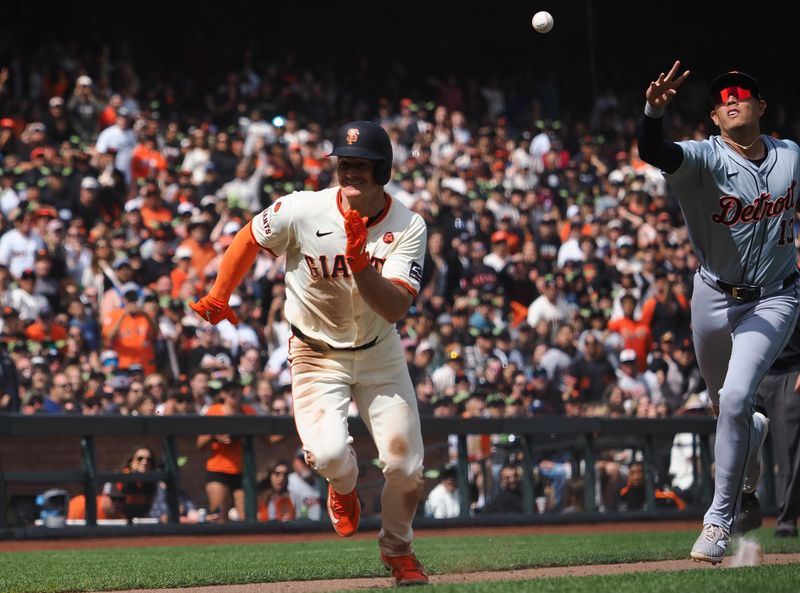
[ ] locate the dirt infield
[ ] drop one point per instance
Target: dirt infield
(344, 584)
(470, 577)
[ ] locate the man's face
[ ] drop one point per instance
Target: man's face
(355, 176)
(509, 479)
(736, 113)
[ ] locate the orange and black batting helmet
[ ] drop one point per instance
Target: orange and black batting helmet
(366, 140)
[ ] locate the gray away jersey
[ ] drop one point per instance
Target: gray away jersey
(740, 216)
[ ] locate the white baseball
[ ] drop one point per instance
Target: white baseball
(542, 21)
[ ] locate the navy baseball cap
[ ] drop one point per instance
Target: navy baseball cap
(734, 78)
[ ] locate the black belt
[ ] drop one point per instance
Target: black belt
(746, 292)
(320, 345)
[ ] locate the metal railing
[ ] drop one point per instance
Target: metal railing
(583, 437)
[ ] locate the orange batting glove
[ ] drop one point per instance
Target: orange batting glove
(356, 228)
(214, 311)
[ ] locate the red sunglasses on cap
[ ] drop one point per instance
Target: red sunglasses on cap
(734, 91)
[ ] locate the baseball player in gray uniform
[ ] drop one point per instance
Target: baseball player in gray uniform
(737, 194)
(354, 261)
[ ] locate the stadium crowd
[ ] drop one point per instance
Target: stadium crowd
(557, 279)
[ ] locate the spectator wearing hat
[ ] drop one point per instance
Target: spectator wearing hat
(478, 354)
(47, 332)
(84, 110)
(197, 157)
(32, 145)
(420, 365)
(207, 352)
(304, 488)
(590, 374)
(19, 245)
(500, 255)
(112, 298)
(130, 332)
(183, 271)
(443, 501)
(158, 263)
(635, 333)
(121, 138)
(12, 328)
(59, 128)
(24, 299)
(629, 379)
(444, 377)
(8, 137)
(236, 338)
(87, 207)
(154, 213)
(550, 306)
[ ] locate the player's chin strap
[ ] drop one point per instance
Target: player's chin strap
(238, 258)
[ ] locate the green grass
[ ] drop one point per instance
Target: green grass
(134, 568)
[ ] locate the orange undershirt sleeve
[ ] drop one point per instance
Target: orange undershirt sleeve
(238, 258)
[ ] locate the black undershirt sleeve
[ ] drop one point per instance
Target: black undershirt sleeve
(655, 149)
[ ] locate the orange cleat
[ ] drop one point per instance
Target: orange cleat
(406, 570)
(344, 511)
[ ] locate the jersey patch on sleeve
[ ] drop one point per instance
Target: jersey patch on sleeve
(415, 273)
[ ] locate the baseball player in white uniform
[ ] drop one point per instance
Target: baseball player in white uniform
(737, 194)
(354, 261)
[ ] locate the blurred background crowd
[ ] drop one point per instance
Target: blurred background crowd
(557, 279)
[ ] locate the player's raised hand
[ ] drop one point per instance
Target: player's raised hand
(214, 311)
(355, 226)
(663, 89)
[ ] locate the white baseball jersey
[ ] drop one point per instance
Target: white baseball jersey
(322, 298)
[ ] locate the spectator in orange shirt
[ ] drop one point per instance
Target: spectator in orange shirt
(130, 332)
(109, 506)
(45, 330)
(183, 270)
(198, 241)
(147, 162)
(637, 334)
(224, 466)
(154, 213)
(274, 501)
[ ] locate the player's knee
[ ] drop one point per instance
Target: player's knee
(735, 404)
(407, 470)
(330, 460)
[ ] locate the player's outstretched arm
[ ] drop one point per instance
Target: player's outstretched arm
(238, 258)
(653, 147)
